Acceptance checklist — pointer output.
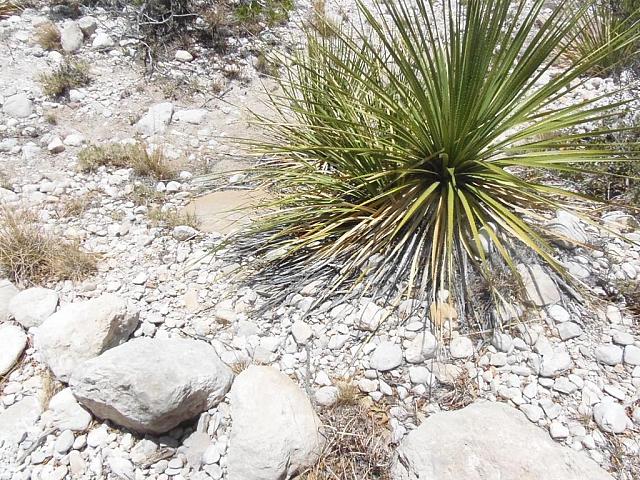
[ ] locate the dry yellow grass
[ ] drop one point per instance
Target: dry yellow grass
(172, 218)
(143, 163)
(47, 36)
(67, 76)
(29, 255)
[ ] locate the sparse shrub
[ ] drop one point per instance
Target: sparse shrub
(171, 218)
(47, 36)
(30, 255)
(266, 65)
(51, 118)
(133, 156)
(357, 445)
(76, 206)
(144, 194)
(396, 161)
(68, 75)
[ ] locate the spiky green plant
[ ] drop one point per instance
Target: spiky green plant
(404, 146)
(597, 30)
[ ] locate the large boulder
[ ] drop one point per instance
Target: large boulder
(539, 287)
(274, 432)
(152, 385)
(486, 441)
(83, 330)
(12, 343)
(33, 306)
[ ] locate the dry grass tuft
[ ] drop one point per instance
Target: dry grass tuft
(29, 255)
(462, 393)
(69, 75)
(50, 386)
(144, 194)
(8, 8)
(76, 206)
(348, 392)
(144, 164)
(47, 36)
(172, 218)
(357, 445)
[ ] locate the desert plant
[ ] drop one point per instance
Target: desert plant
(397, 149)
(596, 32)
(29, 254)
(171, 218)
(8, 8)
(133, 156)
(47, 36)
(68, 75)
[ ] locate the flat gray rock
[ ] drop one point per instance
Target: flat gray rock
(17, 106)
(488, 441)
(539, 287)
(83, 330)
(152, 385)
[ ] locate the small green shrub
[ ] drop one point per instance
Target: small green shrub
(133, 156)
(69, 75)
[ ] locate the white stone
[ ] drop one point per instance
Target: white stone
(55, 145)
(102, 41)
(423, 347)
(7, 292)
(156, 119)
(631, 355)
(370, 317)
(12, 343)
(33, 306)
(121, 467)
(533, 412)
(567, 230)
(420, 375)
(609, 354)
(83, 330)
(152, 385)
(88, 25)
(554, 363)
(326, 396)
(301, 332)
(569, 330)
(558, 431)
(461, 347)
(386, 356)
(16, 420)
(193, 116)
(540, 288)
(17, 106)
(67, 412)
(184, 233)
(71, 36)
(558, 313)
(64, 442)
(183, 56)
(74, 140)
(265, 404)
(488, 441)
(611, 417)
(622, 338)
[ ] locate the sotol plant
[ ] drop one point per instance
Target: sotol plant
(407, 144)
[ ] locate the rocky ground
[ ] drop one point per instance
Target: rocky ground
(157, 366)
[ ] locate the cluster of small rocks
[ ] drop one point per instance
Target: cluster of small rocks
(143, 354)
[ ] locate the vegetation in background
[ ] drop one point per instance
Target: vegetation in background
(47, 36)
(598, 30)
(8, 8)
(135, 156)
(30, 255)
(396, 145)
(170, 218)
(68, 75)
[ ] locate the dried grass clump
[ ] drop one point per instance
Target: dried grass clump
(76, 206)
(47, 36)
(143, 163)
(8, 8)
(173, 218)
(67, 76)
(29, 255)
(357, 445)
